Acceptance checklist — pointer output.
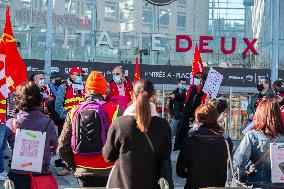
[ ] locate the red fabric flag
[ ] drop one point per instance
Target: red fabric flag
(13, 70)
(197, 65)
(137, 72)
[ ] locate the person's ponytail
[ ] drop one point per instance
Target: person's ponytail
(143, 91)
(143, 112)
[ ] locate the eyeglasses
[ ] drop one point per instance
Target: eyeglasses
(115, 73)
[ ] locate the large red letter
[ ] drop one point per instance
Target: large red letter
(223, 44)
(250, 46)
(203, 44)
(183, 37)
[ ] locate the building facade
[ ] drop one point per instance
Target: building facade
(126, 28)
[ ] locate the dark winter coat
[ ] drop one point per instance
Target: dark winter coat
(176, 105)
(204, 155)
(194, 98)
(136, 167)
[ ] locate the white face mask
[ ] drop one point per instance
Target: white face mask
(196, 81)
(41, 82)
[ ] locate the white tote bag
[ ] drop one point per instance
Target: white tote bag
(28, 150)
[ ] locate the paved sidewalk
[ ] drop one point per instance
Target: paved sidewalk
(71, 182)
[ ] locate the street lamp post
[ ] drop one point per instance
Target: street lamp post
(48, 40)
(154, 30)
(94, 29)
(274, 52)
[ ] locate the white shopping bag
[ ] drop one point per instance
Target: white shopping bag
(277, 162)
(28, 150)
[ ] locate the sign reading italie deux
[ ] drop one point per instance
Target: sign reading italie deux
(160, 2)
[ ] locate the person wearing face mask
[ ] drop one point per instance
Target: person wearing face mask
(70, 93)
(176, 104)
(38, 79)
(194, 98)
(120, 88)
(264, 92)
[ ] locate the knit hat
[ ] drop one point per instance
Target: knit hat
(96, 83)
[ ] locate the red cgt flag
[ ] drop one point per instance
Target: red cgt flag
(13, 71)
(137, 72)
(15, 68)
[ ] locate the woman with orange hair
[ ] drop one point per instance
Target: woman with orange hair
(203, 157)
(253, 151)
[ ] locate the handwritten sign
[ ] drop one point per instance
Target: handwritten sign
(213, 83)
(28, 150)
(277, 162)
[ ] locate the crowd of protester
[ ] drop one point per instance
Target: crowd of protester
(110, 134)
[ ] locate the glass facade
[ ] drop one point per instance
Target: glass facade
(127, 27)
(79, 23)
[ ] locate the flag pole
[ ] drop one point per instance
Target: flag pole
(48, 40)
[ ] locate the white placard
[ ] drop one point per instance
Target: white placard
(28, 150)
(277, 162)
(213, 83)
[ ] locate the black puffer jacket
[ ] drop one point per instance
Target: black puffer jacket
(204, 155)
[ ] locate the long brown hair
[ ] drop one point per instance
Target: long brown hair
(143, 91)
(268, 118)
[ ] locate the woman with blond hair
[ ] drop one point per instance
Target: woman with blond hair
(138, 142)
(253, 151)
(203, 157)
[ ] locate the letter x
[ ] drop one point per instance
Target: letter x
(250, 46)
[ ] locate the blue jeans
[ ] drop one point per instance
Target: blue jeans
(3, 146)
(174, 124)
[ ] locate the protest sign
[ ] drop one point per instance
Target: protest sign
(277, 162)
(28, 150)
(213, 83)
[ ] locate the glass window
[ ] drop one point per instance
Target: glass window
(181, 21)
(111, 11)
(164, 18)
(146, 16)
(181, 2)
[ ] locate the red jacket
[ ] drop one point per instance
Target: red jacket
(72, 98)
(114, 93)
(46, 89)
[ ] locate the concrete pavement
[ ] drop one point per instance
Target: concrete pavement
(71, 182)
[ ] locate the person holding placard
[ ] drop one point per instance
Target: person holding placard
(252, 158)
(194, 98)
(31, 121)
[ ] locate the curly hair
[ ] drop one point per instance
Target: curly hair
(27, 96)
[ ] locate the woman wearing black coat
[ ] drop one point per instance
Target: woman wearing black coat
(136, 165)
(203, 157)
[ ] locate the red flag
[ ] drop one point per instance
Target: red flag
(13, 71)
(197, 65)
(15, 68)
(137, 72)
